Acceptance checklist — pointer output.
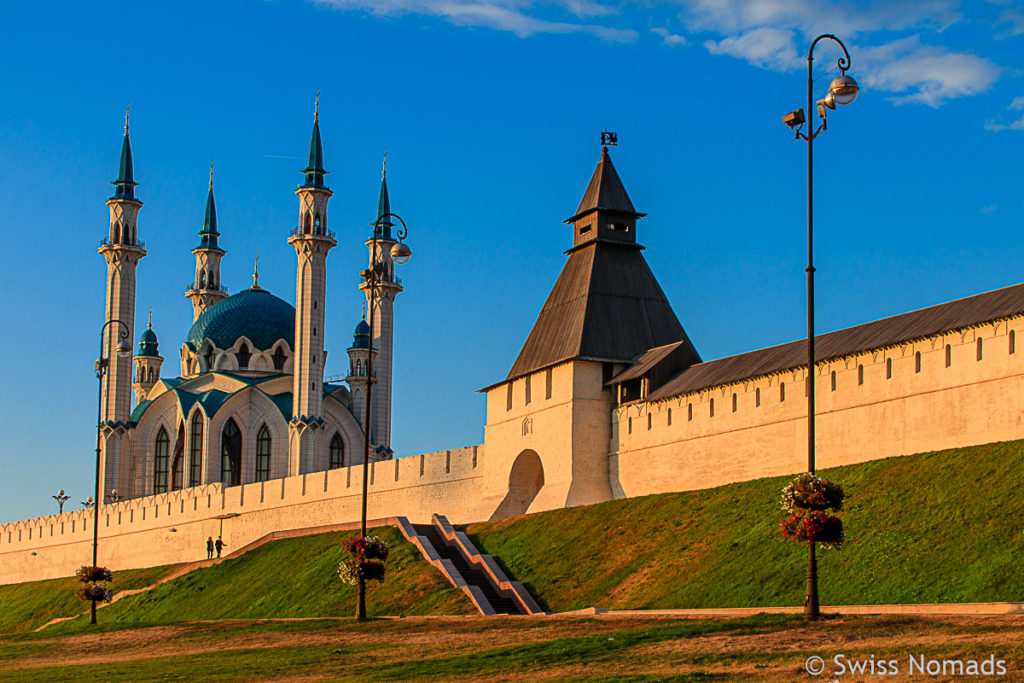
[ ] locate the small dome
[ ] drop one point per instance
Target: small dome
(361, 337)
(253, 313)
(148, 345)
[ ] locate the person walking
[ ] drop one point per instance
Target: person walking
(209, 548)
(219, 545)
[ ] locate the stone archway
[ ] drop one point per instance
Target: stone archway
(524, 483)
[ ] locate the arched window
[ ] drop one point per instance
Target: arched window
(917, 362)
(231, 454)
(202, 279)
(243, 356)
(308, 223)
(860, 374)
(161, 453)
(337, 452)
(949, 355)
(151, 375)
(117, 233)
(888, 368)
(263, 454)
(979, 348)
(278, 358)
(178, 461)
(195, 451)
(208, 357)
(316, 225)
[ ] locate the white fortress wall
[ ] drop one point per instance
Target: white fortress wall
(881, 413)
(173, 527)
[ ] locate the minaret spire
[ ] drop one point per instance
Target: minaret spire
(383, 224)
(315, 163)
(125, 183)
(206, 290)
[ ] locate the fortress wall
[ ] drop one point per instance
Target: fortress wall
(914, 410)
(173, 527)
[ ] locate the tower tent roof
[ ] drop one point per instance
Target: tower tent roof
(383, 224)
(606, 305)
(315, 163)
(125, 183)
(605, 191)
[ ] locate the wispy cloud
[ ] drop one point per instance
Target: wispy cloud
(771, 48)
(1016, 105)
(503, 15)
(669, 38)
(988, 209)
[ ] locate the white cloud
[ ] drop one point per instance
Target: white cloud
(502, 15)
(670, 39)
(988, 209)
(1017, 104)
(771, 48)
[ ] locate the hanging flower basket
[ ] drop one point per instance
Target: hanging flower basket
(814, 526)
(810, 492)
(367, 548)
(87, 574)
(350, 571)
(94, 591)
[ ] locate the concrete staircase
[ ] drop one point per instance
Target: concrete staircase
(477, 575)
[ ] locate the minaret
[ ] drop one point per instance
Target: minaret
(312, 241)
(358, 355)
(383, 319)
(207, 290)
(123, 251)
(147, 363)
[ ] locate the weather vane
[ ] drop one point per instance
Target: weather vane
(609, 138)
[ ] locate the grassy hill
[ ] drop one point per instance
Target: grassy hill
(935, 527)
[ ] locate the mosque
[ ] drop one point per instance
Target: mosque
(249, 402)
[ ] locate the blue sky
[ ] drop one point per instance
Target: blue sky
(490, 111)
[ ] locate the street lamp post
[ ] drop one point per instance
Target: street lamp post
(400, 253)
(102, 363)
(61, 498)
(842, 90)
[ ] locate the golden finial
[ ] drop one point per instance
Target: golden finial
(126, 114)
(384, 170)
(211, 175)
(316, 107)
(364, 310)
(256, 272)
(151, 318)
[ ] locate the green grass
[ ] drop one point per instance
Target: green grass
(293, 577)
(27, 606)
(935, 527)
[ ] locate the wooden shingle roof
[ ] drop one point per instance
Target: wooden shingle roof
(606, 305)
(887, 332)
(605, 191)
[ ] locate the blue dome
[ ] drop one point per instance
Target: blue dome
(147, 343)
(361, 337)
(148, 337)
(254, 313)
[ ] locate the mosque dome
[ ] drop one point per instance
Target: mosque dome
(253, 313)
(361, 336)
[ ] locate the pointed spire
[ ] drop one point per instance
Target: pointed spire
(605, 191)
(315, 164)
(208, 235)
(382, 228)
(256, 273)
(150, 319)
(125, 183)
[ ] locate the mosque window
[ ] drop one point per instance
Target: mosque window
(308, 223)
(263, 454)
(195, 451)
(979, 348)
(528, 392)
(278, 358)
(150, 375)
(117, 233)
(178, 461)
(1013, 341)
(231, 454)
(243, 356)
(888, 368)
(547, 382)
(316, 224)
(949, 355)
(860, 375)
(337, 452)
(917, 362)
(161, 453)
(208, 357)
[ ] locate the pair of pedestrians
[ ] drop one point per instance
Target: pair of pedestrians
(210, 546)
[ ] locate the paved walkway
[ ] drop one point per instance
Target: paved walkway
(922, 610)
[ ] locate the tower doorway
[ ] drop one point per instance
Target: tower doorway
(524, 483)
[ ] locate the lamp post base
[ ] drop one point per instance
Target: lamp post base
(811, 608)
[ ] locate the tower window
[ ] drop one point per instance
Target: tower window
(649, 421)
(782, 392)
(161, 461)
(979, 348)
(860, 375)
(527, 392)
(689, 412)
(712, 407)
(308, 223)
(316, 225)
(949, 355)
(917, 362)
(337, 452)
(263, 454)
(584, 229)
(1013, 341)
(508, 400)
(757, 397)
(669, 417)
(888, 368)
(208, 357)
(833, 380)
(278, 358)
(243, 356)
(548, 379)
(629, 426)
(195, 451)
(735, 403)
